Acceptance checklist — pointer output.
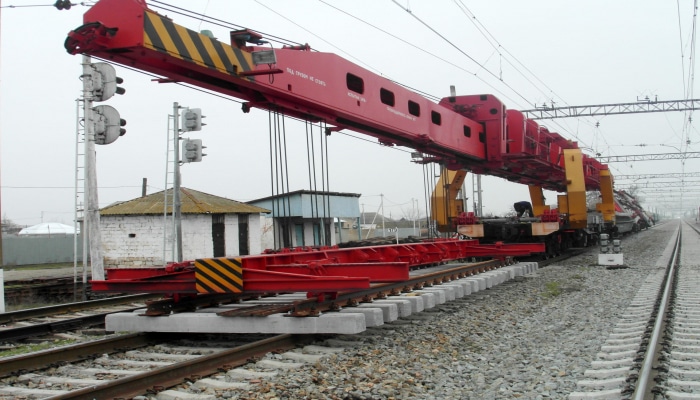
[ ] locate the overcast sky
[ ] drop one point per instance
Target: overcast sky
(571, 53)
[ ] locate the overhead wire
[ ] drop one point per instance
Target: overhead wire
(495, 43)
(317, 36)
(216, 21)
(483, 67)
(691, 77)
(219, 22)
(436, 98)
(82, 3)
(281, 40)
(460, 50)
(680, 39)
(421, 49)
(491, 39)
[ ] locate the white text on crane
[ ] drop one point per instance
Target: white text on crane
(306, 76)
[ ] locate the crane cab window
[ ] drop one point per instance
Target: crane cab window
(355, 83)
(467, 131)
(436, 117)
(413, 108)
(387, 97)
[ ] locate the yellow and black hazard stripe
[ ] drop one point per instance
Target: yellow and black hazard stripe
(162, 35)
(218, 275)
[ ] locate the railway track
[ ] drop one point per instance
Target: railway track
(677, 361)
(137, 364)
(43, 290)
(654, 350)
(129, 365)
(39, 323)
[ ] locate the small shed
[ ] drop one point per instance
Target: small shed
(140, 232)
(48, 228)
(310, 218)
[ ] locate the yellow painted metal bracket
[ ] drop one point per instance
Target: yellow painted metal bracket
(218, 275)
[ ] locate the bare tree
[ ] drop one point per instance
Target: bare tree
(8, 226)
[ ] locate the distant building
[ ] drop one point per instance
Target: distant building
(48, 228)
(136, 233)
(309, 218)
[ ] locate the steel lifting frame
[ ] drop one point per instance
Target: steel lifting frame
(323, 270)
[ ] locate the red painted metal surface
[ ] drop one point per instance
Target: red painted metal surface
(475, 132)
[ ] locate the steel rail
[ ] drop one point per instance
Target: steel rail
(47, 328)
(316, 306)
(320, 303)
(643, 381)
(414, 282)
(19, 315)
(81, 351)
(177, 373)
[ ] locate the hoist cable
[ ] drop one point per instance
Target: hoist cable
(288, 210)
(327, 164)
(273, 157)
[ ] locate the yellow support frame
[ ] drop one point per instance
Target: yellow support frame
(443, 202)
(575, 188)
(607, 205)
(537, 200)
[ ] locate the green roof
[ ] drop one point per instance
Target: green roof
(192, 202)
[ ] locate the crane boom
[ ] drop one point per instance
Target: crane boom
(472, 132)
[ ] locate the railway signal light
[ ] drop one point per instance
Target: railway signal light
(62, 4)
(104, 82)
(192, 150)
(192, 120)
(108, 124)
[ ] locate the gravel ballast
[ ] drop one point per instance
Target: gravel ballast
(529, 338)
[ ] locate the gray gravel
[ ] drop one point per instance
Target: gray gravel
(531, 338)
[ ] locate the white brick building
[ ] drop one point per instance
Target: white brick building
(135, 233)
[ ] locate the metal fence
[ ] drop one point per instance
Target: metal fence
(44, 249)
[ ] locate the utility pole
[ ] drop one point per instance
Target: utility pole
(1, 259)
(476, 187)
(102, 125)
(383, 228)
(192, 152)
(92, 212)
(413, 201)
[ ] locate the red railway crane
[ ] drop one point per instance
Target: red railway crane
(473, 132)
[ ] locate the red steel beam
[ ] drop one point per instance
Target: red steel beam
(476, 132)
(325, 270)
